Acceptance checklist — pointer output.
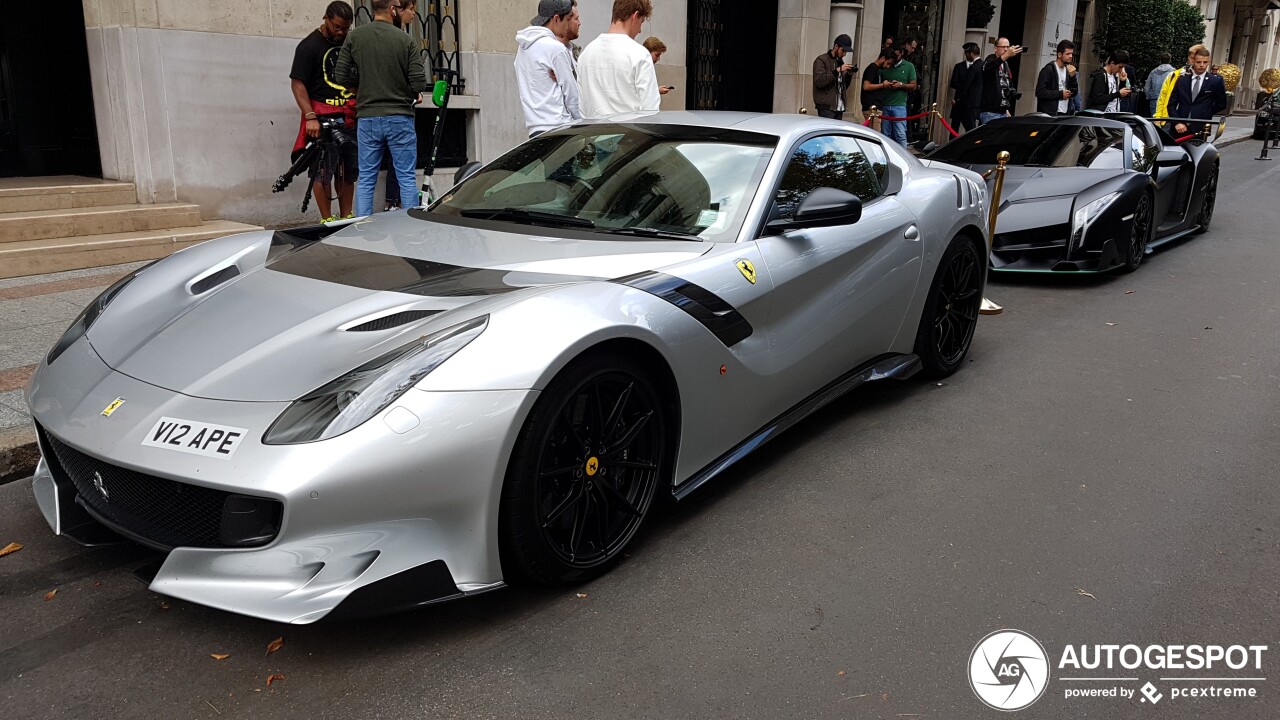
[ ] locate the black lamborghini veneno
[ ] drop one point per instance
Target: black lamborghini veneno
(1088, 193)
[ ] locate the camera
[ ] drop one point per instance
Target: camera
(319, 158)
(1012, 95)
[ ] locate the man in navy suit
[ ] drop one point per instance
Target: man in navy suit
(1198, 93)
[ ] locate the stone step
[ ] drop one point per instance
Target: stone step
(46, 255)
(47, 224)
(62, 193)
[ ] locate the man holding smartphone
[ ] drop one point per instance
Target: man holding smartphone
(831, 74)
(901, 79)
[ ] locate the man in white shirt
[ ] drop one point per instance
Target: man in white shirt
(615, 71)
(544, 67)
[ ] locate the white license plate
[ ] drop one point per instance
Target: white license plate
(197, 438)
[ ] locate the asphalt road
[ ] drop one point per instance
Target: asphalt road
(1101, 472)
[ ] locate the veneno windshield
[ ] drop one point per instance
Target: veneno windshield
(633, 181)
(1038, 144)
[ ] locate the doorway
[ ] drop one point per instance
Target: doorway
(731, 43)
(47, 125)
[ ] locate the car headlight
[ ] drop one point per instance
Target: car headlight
(89, 315)
(350, 400)
(1085, 215)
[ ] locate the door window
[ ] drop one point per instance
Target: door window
(834, 161)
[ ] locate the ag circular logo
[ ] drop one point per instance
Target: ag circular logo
(1008, 670)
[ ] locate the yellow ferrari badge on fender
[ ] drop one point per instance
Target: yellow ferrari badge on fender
(747, 269)
(112, 407)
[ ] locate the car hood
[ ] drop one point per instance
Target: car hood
(281, 328)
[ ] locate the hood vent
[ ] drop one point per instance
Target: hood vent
(386, 322)
(211, 281)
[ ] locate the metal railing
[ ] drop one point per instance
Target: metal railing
(435, 29)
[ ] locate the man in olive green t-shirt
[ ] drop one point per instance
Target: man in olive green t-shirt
(901, 77)
(385, 68)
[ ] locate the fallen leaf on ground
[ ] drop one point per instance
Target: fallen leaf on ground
(219, 656)
(1110, 324)
(272, 678)
(1128, 292)
(582, 595)
(275, 645)
(1085, 593)
(49, 595)
(841, 673)
(10, 548)
(164, 605)
(884, 697)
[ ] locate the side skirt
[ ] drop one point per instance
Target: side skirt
(1175, 236)
(895, 367)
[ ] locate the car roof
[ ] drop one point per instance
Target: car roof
(780, 124)
(1092, 120)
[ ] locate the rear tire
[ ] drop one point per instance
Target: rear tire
(583, 472)
(1139, 234)
(951, 309)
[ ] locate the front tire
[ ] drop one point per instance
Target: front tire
(1139, 234)
(583, 473)
(1210, 198)
(951, 310)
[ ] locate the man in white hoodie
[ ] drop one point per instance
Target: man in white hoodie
(544, 67)
(616, 72)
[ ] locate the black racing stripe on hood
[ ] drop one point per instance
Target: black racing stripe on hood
(394, 273)
(718, 316)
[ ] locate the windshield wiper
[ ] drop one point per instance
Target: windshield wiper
(652, 232)
(530, 217)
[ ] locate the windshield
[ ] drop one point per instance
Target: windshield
(1038, 144)
(631, 180)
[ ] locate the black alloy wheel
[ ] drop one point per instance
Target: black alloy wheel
(1139, 234)
(951, 310)
(1210, 197)
(584, 472)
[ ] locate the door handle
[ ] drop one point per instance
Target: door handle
(912, 233)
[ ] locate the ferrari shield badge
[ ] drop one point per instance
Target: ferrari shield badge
(747, 269)
(106, 412)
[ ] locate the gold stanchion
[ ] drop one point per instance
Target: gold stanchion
(1002, 159)
(874, 114)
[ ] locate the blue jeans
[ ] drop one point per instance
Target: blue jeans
(986, 117)
(896, 130)
(396, 133)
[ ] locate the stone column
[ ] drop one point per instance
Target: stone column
(804, 32)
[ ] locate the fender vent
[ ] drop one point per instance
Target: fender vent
(386, 322)
(209, 282)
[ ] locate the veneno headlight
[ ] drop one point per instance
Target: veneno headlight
(350, 400)
(1085, 215)
(90, 314)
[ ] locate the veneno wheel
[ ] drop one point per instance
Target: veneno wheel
(583, 472)
(951, 310)
(1139, 234)
(1210, 197)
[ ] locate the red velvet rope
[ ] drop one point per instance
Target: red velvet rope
(1184, 138)
(903, 119)
(867, 123)
(947, 125)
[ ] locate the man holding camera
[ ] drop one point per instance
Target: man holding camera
(320, 96)
(998, 90)
(831, 76)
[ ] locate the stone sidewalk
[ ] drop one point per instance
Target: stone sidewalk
(35, 310)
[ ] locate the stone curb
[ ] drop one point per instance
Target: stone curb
(18, 453)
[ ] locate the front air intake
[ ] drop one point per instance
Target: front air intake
(386, 322)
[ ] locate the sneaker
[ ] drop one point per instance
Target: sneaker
(391, 206)
(330, 219)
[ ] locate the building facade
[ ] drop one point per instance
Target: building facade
(190, 99)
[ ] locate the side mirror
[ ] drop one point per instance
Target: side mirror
(1171, 157)
(823, 207)
(926, 147)
(466, 171)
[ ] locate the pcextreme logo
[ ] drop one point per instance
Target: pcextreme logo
(1009, 670)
